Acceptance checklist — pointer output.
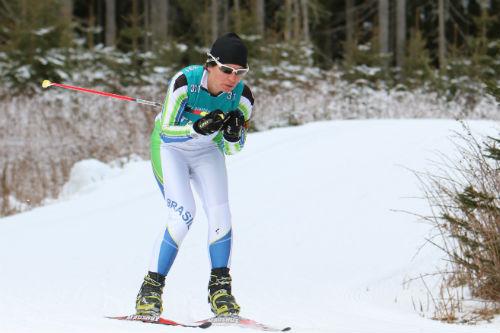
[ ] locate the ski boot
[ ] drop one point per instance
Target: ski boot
(148, 301)
(222, 302)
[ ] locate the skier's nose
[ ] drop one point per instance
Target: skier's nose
(233, 78)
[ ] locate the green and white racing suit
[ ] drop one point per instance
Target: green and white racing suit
(181, 157)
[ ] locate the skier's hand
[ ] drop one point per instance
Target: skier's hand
(233, 125)
(210, 123)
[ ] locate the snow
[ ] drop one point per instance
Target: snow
(84, 175)
(319, 243)
(23, 72)
(44, 31)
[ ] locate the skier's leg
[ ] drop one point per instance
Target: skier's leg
(172, 174)
(179, 209)
(210, 179)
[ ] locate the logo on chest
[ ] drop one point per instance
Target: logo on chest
(194, 88)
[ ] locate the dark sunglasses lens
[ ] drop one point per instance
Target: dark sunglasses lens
(225, 69)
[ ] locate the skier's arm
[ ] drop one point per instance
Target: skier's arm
(172, 108)
(245, 107)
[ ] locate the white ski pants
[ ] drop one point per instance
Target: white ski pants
(205, 169)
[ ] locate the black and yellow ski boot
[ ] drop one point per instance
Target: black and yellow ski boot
(148, 301)
(222, 302)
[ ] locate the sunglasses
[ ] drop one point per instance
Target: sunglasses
(228, 69)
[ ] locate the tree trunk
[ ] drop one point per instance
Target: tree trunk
(287, 33)
(67, 16)
(24, 9)
(101, 22)
(383, 23)
(296, 20)
(67, 10)
(225, 20)
(441, 38)
(349, 30)
(135, 25)
(400, 32)
(260, 15)
(305, 20)
(147, 25)
(91, 25)
(159, 21)
(215, 21)
(110, 34)
(237, 16)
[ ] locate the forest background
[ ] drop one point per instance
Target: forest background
(309, 59)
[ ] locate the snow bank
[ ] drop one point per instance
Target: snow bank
(86, 175)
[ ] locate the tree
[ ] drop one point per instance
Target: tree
(147, 25)
(349, 30)
(67, 17)
(400, 32)
(305, 20)
(383, 24)
(215, 21)
(135, 25)
(91, 25)
(287, 30)
(260, 15)
(67, 9)
(30, 31)
(442, 36)
(225, 19)
(110, 25)
(418, 60)
(237, 16)
(159, 21)
(296, 19)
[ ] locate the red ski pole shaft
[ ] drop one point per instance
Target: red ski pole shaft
(47, 83)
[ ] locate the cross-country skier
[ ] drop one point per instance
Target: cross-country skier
(202, 120)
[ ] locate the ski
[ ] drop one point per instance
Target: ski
(160, 321)
(235, 320)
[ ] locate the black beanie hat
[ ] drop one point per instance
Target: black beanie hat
(229, 49)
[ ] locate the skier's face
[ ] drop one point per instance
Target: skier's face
(220, 81)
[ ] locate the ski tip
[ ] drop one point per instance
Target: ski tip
(115, 317)
(206, 324)
(46, 84)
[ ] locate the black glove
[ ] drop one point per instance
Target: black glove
(233, 125)
(210, 123)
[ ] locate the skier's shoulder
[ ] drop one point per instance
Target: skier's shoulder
(193, 72)
(179, 80)
(247, 93)
(186, 75)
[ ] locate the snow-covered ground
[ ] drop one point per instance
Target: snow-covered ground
(318, 242)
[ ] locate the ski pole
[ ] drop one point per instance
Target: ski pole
(47, 83)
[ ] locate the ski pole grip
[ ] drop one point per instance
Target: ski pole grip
(46, 84)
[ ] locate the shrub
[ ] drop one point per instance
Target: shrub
(465, 201)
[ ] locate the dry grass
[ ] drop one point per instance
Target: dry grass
(464, 196)
(42, 139)
(42, 136)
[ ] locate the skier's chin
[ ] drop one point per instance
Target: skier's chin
(227, 88)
